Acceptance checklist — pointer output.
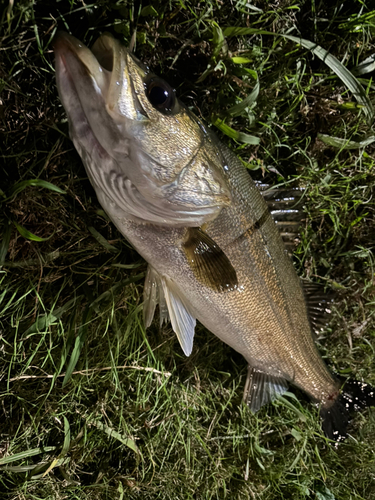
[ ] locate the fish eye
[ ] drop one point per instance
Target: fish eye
(160, 94)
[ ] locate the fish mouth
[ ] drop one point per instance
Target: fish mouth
(115, 129)
(115, 59)
(96, 88)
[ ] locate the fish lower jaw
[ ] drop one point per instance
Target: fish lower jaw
(79, 126)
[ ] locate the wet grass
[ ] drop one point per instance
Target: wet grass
(94, 407)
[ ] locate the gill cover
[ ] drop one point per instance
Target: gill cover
(144, 152)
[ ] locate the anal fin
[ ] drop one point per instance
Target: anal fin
(262, 388)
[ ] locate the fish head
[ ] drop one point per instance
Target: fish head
(142, 148)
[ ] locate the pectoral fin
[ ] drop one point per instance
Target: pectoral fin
(172, 305)
(262, 388)
(209, 263)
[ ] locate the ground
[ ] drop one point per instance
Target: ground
(92, 405)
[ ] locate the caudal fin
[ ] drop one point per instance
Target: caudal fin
(354, 396)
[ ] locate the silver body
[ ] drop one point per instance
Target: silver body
(159, 175)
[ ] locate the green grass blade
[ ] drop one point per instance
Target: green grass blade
(100, 239)
(20, 186)
(233, 134)
(238, 31)
(4, 245)
(28, 234)
(218, 40)
(240, 60)
(247, 102)
(26, 454)
(79, 342)
(338, 142)
(341, 71)
(130, 443)
(47, 320)
(66, 444)
(365, 66)
(332, 62)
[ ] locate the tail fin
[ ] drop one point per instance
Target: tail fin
(354, 396)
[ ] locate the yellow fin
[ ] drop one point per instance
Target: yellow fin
(209, 263)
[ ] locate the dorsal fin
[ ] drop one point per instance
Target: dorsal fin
(285, 205)
(318, 304)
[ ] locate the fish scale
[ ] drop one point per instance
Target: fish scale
(275, 328)
(265, 317)
(189, 207)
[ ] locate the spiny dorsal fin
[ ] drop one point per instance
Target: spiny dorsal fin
(262, 388)
(209, 263)
(285, 205)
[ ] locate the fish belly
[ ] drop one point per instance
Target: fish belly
(265, 317)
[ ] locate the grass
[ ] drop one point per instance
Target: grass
(94, 407)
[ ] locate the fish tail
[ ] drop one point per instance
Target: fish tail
(354, 396)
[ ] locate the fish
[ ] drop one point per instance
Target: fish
(190, 208)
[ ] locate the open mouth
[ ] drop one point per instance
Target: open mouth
(82, 70)
(89, 84)
(112, 102)
(103, 50)
(101, 75)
